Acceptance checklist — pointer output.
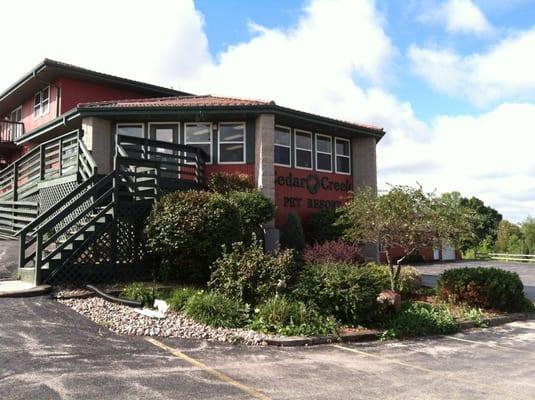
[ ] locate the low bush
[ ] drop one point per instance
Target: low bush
(332, 251)
(282, 316)
(490, 288)
(179, 297)
(410, 280)
(420, 319)
(324, 226)
(292, 236)
(186, 229)
(248, 274)
(347, 292)
(214, 309)
(136, 291)
(223, 182)
(254, 209)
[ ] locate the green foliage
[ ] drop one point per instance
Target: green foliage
(420, 319)
(281, 316)
(508, 237)
(324, 226)
(292, 236)
(223, 182)
(179, 297)
(187, 230)
(136, 291)
(490, 288)
(214, 309)
(347, 292)
(248, 274)
(528, 235)
(254, 209)
(485, 224)
(410, 280)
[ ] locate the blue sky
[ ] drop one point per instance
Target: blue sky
(451, 81)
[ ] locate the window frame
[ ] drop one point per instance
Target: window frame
(323, 152)
(141, 124)
(336, 155)
(311, 150)
(16, 109)
(244, 142)
(211, 143)
(39, 106)
(289, 165)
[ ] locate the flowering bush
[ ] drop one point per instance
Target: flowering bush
(333, 251)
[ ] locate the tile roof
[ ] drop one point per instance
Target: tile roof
(208, 101)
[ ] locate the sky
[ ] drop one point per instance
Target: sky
(452, 82)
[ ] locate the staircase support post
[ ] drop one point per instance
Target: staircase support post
(38, 261)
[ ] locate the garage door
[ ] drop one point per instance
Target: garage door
(448, 253)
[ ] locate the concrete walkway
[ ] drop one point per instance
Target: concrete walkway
(526, 272)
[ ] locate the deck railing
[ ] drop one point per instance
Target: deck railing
(10, 130)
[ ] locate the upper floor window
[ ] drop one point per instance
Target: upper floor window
(41, 102)
(283, 146)
(324, 153)
(135, 130)
(16, 116)
(232, 142)
(199, 134)
(303, 149)
(343, 157)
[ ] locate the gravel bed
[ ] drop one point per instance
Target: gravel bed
(125, 321)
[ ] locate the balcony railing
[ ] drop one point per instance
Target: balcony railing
(10, 130)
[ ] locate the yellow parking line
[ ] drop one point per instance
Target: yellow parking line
(442, 374)
(219, 375)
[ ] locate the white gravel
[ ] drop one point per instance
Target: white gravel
(124, 320)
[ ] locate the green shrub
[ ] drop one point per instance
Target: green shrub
(420, 319)
(224, 182)
(333, 251)
(324, 227)
(186, 229)
(248, 274)
(214, 309)
(282, 316)
(136, 291)
(179, 297)
(292, 236)
(254, 209)
(347, 292)
(410, 280)
(490, 288)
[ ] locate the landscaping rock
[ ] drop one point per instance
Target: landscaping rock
(390, 300)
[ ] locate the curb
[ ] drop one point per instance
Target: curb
(35, 291)
(374, 335)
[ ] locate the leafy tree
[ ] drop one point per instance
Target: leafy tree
(406, 218)
(293, 236)
(485, 224)
(528, 233)
(508, 237)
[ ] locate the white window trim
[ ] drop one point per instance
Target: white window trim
(283, 145)
(120, 124)
(211, 143)
(244, 142)
(19, 108)
(40, 104)
(336, 155)
(300, 148)
(324, 152)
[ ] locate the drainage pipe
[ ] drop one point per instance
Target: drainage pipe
(114, 299)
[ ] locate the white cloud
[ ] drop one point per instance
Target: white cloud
(505, 71)
(458, 16)
(488, 156)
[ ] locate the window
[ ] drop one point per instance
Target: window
(324, 153)
(15, 130)
(303, 149)
(41, 102)
(135, 130)
(200, 135)
(283, 146)
(232, 143)
(343, 158)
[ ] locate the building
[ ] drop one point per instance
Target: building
(85, 154)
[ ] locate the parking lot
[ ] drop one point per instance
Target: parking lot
(48, 351)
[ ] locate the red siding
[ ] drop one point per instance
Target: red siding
(247, 169)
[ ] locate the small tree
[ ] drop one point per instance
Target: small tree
(406, 218)
(293, 236)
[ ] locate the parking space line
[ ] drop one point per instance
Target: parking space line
(493, 345)
(442, 374)
(214, 372)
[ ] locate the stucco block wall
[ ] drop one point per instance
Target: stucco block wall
(364, 161)
(98, 139)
